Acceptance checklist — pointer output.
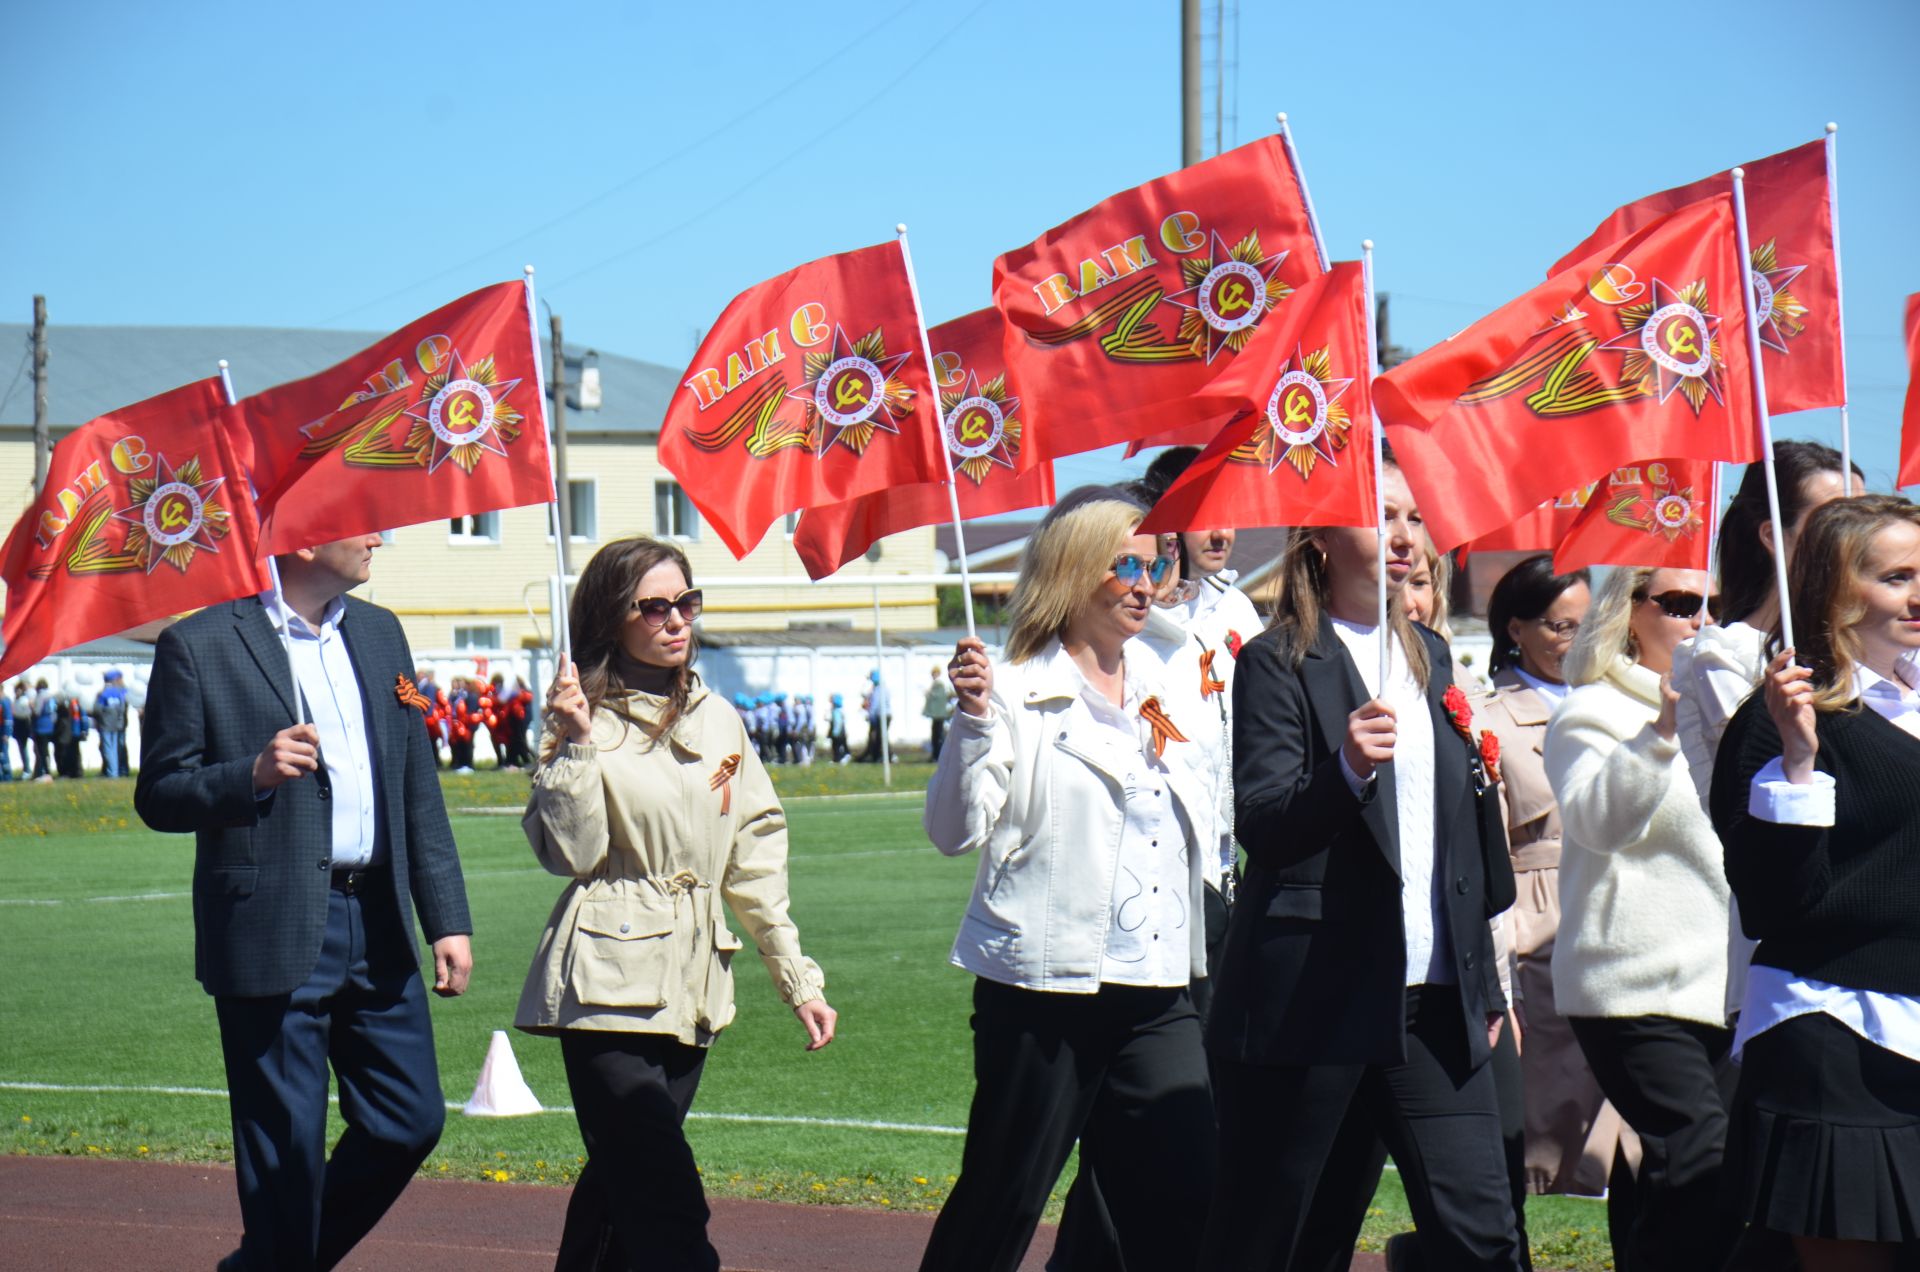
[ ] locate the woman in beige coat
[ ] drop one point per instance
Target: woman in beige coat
(650, 799)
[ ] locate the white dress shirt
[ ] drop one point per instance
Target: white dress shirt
(1775, 995)
(1550, 693)
(1429, 960)
(331, 689)
(1147, 943)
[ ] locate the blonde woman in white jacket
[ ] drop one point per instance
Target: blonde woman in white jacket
(1640, 966)
(1066, 772)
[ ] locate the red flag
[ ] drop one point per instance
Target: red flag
(993, 466)
(1301, 453)
(1643, 514)
(145, 514)
(1797, 275)
(1117, 317)
(1910, 416)
(756, 432)
(443, 418)
(1589, 370)
(1538, 531)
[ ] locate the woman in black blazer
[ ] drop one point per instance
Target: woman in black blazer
(1358, 966)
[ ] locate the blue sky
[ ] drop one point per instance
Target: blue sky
(355, 165)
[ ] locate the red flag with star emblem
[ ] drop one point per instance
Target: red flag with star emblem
(1120, 316)
(1582, 374)
(982, 422)
(145, 514)
(443, 418)
(1910, 414)
(1643, 514)
(1796, 272)
(810, 389)
(1299, 451)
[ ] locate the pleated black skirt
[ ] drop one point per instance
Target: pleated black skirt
(1825, 1134)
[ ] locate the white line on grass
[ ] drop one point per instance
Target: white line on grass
(137, 896)
(759, 1119)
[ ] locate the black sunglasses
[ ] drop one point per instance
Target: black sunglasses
(1679, 604)
(653, 609)
(1129, 567)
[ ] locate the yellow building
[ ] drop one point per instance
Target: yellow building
(470, 584)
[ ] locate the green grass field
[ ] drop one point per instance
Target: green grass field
(96, 937)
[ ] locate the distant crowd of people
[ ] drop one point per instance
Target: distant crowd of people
(47, 727)
(457, 715)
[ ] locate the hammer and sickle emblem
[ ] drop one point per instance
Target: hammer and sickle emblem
(173, 515)
(849, 393)
(1299, 410)
(1680, 341)
(1233, 297)
(974, 427)
(462, 415)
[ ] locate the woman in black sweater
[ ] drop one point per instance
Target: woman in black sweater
(1816, 795)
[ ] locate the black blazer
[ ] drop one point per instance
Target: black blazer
(1314, 970)
(219, 691)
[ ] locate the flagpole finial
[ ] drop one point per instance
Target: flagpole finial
(1739, 174)
(223, 364)
(1366, 245)
(527, 270)
(1281, 119)
(900, 227)
(1832, 127)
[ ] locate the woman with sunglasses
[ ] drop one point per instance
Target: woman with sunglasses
(1814, 797)
(1359, 968)
(650, 799)
(1067, 770)
(1640, 962)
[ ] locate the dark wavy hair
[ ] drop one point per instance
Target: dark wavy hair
(1745, 565)
(602, 600)
(1161, 474)
(1525, 592)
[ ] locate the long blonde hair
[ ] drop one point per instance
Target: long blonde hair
(1606, 633)
(1302, 599)
(1824, 581)
(1066, 559)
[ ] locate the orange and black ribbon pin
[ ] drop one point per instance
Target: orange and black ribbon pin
(722, 781)
(1164, 730)
(1209, 685)
(409, 695)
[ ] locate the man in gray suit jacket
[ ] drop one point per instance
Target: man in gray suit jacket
(317, 838)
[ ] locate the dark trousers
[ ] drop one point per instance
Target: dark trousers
(939, 738)
(1282, 1128)
(638, 1202)
(364, 1011)
(1121, 1070)
(875, 737)
(42, 754)
(1670, 1082)
(461, 753)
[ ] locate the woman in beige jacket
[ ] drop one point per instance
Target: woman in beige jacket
(650, 799)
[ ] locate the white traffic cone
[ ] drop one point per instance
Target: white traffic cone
(501, 1091)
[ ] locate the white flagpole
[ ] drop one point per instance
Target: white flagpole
(1306, 196)
(1379, 472)
(1760, 405)
(273, 570)
(1713, 525)
(946, 449)
(1840, 304)
(562, 630)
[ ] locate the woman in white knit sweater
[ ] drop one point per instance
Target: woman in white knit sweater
(1640, 969)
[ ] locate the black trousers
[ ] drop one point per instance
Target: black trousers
(638, 1202)
(362, 1010)
(1283, 1127)
(939, 738)
(1122, 1071)
(1670, 1082)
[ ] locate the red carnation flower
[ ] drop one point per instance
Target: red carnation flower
(1455, 702)
(1490, 754)
(1233, 642)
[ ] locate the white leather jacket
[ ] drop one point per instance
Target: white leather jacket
(1045, 810)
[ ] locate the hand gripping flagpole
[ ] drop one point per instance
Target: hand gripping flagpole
(273, 571)
(946, 450)
(1379, 471)
(562, 629)
(1839, 304)
(1760, 406)
(1306, 197)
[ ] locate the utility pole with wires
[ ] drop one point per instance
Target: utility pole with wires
(1192, 134)
(42, 427)
(563, 495)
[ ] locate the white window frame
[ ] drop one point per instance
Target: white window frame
(790, 525)
(462, 538)
(573, 531)
(678, 499)
(498, 636)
